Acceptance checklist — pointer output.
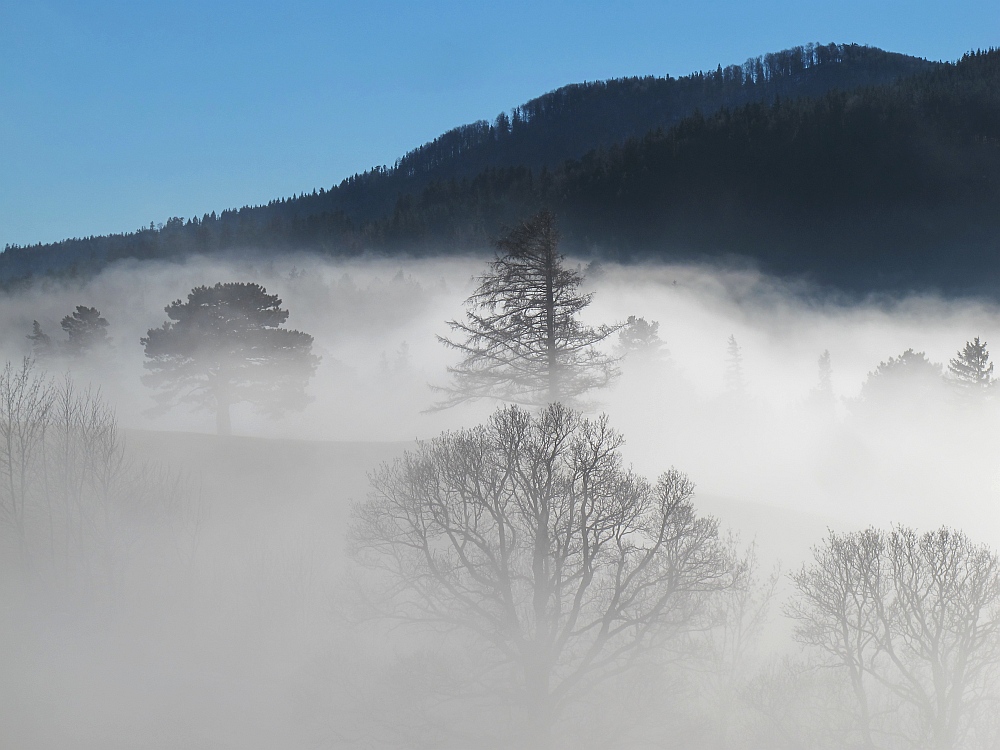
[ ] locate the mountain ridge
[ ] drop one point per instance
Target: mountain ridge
(457, 191)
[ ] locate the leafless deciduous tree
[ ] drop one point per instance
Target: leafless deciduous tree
(913, 620)
(522, 340)
(528, 533)
(72, 501)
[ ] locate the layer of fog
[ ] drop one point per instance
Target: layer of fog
(237, 639)
(375, 323)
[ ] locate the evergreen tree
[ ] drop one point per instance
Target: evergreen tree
(640, 338)
(87, 330)
(522, 340)
(225, 346)
(735, 383)
(41, 342)
(971, 371)
(908, 383)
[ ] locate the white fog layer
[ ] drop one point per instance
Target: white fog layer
(202, 590)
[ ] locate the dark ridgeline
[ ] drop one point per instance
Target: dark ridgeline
(857, 167)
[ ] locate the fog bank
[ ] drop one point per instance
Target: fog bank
(229, 627)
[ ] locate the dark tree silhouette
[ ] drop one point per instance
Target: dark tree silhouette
(904, 383)
(971, 371)
(604, 151)
(529, 535)
(41, 342)
(225, 346)
(640, 338)
(522, 340)
(87, 330)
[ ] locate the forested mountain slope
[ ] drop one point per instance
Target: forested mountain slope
(425, 197)
(882, 188)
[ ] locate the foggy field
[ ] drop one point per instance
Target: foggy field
(221, 613)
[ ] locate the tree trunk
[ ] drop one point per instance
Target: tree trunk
(538, 729)
(538, 669)
(550, 318)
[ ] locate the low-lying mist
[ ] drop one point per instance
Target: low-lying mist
(219, 615)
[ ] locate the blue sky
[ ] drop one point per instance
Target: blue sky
(116, 113)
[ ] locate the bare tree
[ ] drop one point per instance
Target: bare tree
(522, 340)
(940, 629)
(528, 534)
(836, 610)
(915, 616)
(25, 404)
(71, 498)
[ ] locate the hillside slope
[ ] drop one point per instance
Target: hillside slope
(882, 188)
(363, 212)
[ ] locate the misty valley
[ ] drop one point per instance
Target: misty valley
(517, 500)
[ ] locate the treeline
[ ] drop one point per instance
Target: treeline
(389, 206)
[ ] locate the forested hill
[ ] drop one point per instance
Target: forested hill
(574, 120)
(893, 187)
(544, 133)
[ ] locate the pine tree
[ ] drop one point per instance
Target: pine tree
(735, 384)
(908, 383)
(41, 342)
(971, 371)
(224, 346)
(87, 330)
(522, 340)
(640, 338)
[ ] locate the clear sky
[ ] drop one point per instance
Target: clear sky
(117, 113)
